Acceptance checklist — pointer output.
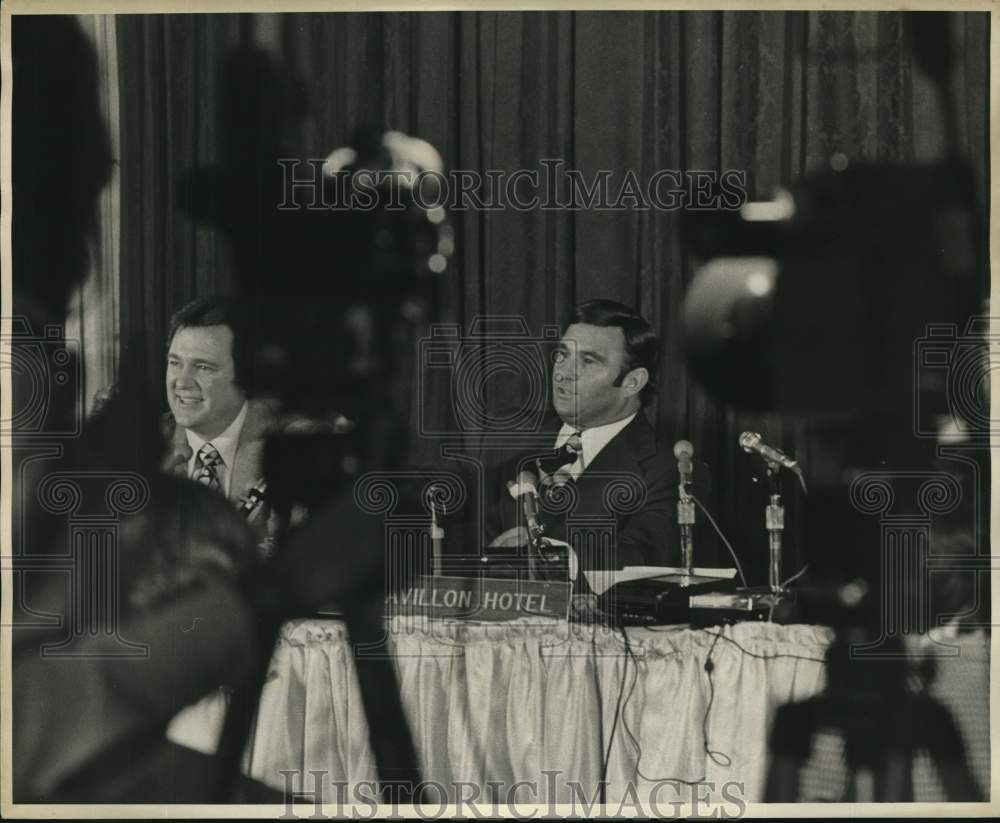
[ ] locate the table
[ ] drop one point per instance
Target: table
(536, 701)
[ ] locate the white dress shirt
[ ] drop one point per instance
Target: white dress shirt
(593, 439)
(225, 445)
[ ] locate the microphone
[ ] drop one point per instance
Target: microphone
(437, 533)
(524, 490)
(753, 442)
(684, 451)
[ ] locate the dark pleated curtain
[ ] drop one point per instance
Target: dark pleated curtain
(773, 94)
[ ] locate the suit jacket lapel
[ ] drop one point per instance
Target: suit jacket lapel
(249, 449)
(180, 445)
(178, 451)
(623, 452)
(619, 458)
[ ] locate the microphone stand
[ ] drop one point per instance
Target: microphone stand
(685, 519)
(774, 520)
(755, 599)
(770, 596)
(684, 451)
(543, 565)
(536, 559)
(437, 535)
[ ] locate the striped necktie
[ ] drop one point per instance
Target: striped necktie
(207, 464)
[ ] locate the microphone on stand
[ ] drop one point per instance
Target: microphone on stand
(437, 533)
(753, 442)
(774, 514)
(684, 451)
(524, 491)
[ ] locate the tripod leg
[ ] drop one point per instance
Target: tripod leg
(894, 779)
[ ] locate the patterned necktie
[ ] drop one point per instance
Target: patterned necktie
(208, 461)
(573, 448)
(565, 459)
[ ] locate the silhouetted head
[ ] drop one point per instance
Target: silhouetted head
(61, 158)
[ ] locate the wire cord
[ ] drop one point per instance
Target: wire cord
(718, 531)
(718, 757)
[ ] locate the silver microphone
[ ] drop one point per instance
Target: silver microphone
(753, 442)
(684, 451)
(437, 533)
(524, 491)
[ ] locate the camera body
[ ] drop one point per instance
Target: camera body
(837, 279)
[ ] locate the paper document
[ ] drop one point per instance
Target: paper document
(601, 580)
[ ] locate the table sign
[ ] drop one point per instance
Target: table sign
(481, 598)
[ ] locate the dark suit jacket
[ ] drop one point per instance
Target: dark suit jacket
(621, 511)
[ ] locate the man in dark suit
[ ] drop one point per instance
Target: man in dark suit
(604, 485)
(216, 434)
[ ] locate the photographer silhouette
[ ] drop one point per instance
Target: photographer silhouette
(334, 315)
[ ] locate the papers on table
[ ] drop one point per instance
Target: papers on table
(601, 580)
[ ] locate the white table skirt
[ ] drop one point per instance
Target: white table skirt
(509, 702)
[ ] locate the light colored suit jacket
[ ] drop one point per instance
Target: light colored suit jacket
(246, 468)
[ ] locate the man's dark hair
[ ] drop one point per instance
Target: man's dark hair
(220, 311)
(642, 349)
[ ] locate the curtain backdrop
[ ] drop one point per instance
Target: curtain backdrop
(774, 94)
(94, 311)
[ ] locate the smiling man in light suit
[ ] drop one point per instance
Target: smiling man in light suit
(216, 433)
